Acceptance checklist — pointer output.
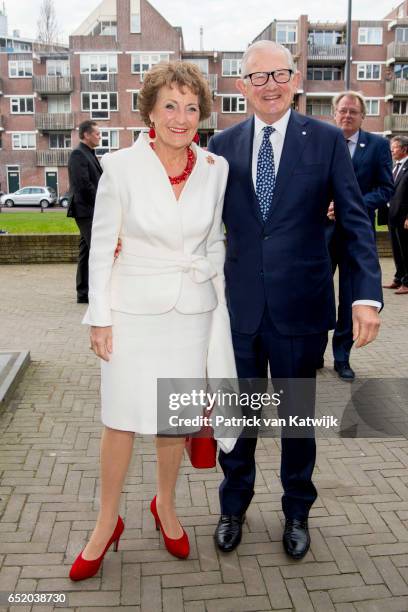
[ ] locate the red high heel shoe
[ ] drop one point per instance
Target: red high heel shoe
(179, 547)
(82, 568)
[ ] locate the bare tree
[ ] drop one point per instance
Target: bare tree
(47, 23)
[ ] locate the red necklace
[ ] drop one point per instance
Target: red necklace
(176, 180)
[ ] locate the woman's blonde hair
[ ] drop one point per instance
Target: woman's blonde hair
(168, 74)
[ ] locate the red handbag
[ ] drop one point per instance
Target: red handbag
(202, 448)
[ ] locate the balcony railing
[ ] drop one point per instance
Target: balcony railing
(293, 48)
(209, 124)
(396, 87)
(396, 51)
(53, 84)
(212, 81)
(53, 157)
(326, 52)
(396, 123)
(54, 121)
(88, 85)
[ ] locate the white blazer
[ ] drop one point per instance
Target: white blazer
(173, 251)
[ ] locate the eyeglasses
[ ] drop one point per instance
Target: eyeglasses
(261, 78)
(344, 111)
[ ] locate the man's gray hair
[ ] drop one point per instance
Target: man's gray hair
(402, 141)
(350, 94)
(266, 44)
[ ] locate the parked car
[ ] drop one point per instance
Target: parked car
(64, 199)
(30, 196)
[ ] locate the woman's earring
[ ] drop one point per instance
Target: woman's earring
(196, 138)
(152, 132)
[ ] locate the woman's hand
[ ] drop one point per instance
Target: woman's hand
(101, 341)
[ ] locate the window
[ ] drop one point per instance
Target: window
(134, 100)
(233, 104)
(105, 28)
(58, 68)
(325, 37)
(201, 62)
(401, 34)
(22, 106)
(400, 107)
(401, 71)
(109, 140)
(99, 67)
(20, 69)
(23, 140)
(286, 33)
(324, 73)
(322, 108)
(60, 141)
(142, 62)
(368, 72)
(370, 36)
(135, 17)
(373, 107)
(59, 104)
(231, 67)
(99, 104)
(136, 133)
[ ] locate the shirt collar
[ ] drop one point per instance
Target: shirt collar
(401, 162)
(280, 125)
(354, 137)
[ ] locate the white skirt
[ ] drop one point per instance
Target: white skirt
(145, 348)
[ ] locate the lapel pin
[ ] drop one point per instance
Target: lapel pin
(210, 160)
(362, 145)
(304, 133)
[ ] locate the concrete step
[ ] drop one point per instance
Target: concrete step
(12, 368)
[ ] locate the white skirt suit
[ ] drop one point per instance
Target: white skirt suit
(164, 295)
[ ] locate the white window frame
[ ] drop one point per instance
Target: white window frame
(288, 28)
(241, 104)
(133, 93)
(147, 61)
(23, 141)
(233, 70)
(135, 19)
(364, 35)
(18, 100)
(107, 133)
(99, 97)
(62, 99)
(59, 66)
(364, 66)
(138, 131)
(369, 105)
(15, 64)
(321, 102)
(87, 60)
(66, 137)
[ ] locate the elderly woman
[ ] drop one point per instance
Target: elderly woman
(158, 310)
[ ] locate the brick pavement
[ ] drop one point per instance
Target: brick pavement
(49, 456)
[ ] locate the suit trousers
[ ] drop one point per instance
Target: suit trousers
(288, 357)
(85, 229)
(399, 242)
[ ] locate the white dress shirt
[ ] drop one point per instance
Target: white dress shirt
(277, 139)
(352, 142)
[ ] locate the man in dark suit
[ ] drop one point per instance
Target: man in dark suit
(284, 170)
(84, 171)
(398, 215)
(372, 165)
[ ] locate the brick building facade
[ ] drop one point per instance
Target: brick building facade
(45, 92)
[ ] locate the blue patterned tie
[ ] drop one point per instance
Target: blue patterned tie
(265, 173)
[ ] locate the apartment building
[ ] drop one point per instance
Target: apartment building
(45, 92)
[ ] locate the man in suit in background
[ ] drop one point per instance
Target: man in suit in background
(398, 215)
(84, 171)
(372, 165)
(284, 170)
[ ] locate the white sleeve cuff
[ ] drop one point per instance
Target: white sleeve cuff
(374, 303)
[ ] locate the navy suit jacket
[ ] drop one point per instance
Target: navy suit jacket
(284, 262)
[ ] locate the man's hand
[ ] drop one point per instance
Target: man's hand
(406, 224)
(118, 248)
(366, 323)
(330, 212)
(101, 341)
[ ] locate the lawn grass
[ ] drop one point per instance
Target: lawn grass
(48, 222)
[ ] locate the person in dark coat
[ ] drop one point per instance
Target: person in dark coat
(84, 171)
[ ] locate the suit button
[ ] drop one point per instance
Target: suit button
(261, 273)
(266, 237)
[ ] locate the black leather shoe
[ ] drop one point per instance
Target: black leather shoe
(228, 532)
(344, 371)
(82, 300)
(296, 538)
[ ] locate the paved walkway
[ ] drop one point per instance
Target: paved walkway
(49, 468)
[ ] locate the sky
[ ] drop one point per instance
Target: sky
(228, 24)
